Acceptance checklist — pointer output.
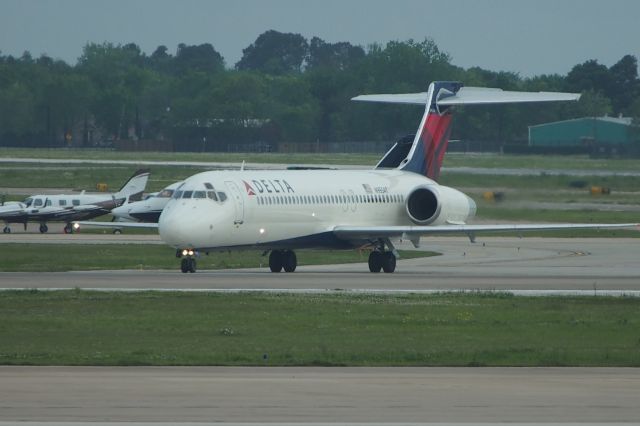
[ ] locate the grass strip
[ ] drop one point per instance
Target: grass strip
(154, 328)
(82, 257)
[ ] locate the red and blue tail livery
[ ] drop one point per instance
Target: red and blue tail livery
(426, 152)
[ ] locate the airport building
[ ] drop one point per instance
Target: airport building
(604, 135)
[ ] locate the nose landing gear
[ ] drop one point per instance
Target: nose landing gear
(188, 262)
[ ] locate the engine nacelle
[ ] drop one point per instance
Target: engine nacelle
(439, 205)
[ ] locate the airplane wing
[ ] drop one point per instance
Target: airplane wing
(90, 224)
(415, 232)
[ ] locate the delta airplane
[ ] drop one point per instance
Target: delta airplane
(71, 207)
(280, 211)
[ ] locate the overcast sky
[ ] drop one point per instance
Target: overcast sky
(529, 37)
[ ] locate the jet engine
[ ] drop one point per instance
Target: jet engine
(439, 205)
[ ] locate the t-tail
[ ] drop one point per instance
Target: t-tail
(423, 152)
(133, 189)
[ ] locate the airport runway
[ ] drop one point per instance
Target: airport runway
(596, 264)
(307, 395)
(336, 395)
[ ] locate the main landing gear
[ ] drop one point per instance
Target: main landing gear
(43, 228)
(6, 229)
(282, 259)
(381, 259)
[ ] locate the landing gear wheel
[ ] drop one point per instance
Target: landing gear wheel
(6, 230)
(275, 260)
(68, 229)
(289, 261)
(388, 262)
(375, 261)
(188, 264)
(43, 228)
(117, 231)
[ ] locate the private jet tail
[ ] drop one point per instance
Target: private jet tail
(132, 190)
(424, 152)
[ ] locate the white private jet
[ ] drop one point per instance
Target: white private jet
(279, 211)
(71, 207)
(147, 210)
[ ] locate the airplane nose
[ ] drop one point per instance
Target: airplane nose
(174, 228)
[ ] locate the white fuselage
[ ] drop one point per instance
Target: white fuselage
(295, 208)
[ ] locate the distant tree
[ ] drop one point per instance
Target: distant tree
(274, 52)
(203, 58)
(624, 84)
(589, 75)
(337, 56)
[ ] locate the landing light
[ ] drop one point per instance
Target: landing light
(76, 226)
(261, 230)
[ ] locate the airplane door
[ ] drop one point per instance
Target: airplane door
(238, 201)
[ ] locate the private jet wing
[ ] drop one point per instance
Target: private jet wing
(90, 224)
(413, 233)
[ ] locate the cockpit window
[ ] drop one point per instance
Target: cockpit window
(165, 193)
(208, 185)
(177, 194)
(47, 203)
(199, 194)
(28, 201)
(37, 202)
(212, 195)
(222, 196)
(187, 194)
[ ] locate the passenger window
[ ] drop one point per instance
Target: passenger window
(37, 202)
(75, 202)
(47, 203)
(199, 194)
(62, 203)
(212, 195)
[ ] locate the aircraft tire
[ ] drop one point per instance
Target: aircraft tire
(68, 229)
(6, 230)
(184, 265)
(388, 262)
(192, 265)
(275, 260)
(43, 229)
(375, 261)
(289, 261)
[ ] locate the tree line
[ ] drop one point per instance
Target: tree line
(284, 89)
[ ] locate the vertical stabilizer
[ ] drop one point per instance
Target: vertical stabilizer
(431, 139)
(426, 154)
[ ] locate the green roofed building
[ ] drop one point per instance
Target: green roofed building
(591, 133)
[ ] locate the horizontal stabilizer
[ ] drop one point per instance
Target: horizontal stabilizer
(483, 96)
(401, 98)
(471, 96)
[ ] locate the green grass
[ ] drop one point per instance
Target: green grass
(151, 328)
(272, 157)
(451, 160)
(558, 162)
(82, 257)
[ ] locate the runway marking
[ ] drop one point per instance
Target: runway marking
(517, 293)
